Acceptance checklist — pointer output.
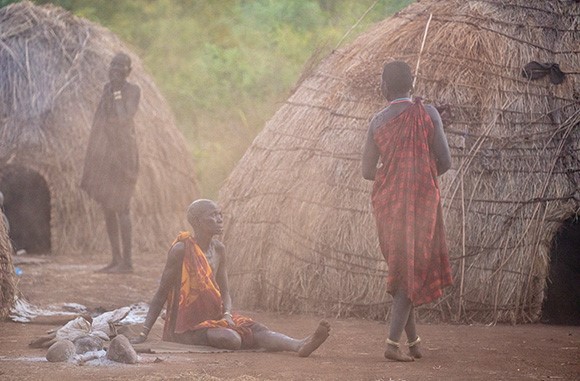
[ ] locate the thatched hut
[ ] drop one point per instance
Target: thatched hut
(299, 222)
(7, 281)
(54, 66)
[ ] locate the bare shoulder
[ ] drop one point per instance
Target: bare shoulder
(430, 108)
(379, 119)
(432, 111)
(176, 252)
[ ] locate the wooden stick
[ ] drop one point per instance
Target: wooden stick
(463, 227)
(422, 46)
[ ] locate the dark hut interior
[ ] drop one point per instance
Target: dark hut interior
(27, 208)
(562, 301)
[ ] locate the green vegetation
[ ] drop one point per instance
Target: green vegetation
(225, 66)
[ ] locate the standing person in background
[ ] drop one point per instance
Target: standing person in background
(405, 151)
(112, 161)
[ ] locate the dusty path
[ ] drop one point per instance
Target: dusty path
(353, 351)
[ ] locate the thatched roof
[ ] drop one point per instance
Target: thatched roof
(7, 281)
(54, 66)
(299, 221)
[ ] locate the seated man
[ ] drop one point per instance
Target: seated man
(195, 285)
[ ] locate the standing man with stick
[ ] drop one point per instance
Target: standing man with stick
(405, 151)
(112, 161)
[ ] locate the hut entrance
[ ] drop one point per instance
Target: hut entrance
(562, 302)
(27, 207)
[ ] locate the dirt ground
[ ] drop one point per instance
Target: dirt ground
(353, 351)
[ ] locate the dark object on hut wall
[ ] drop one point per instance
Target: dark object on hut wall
(54, 66)
(535, 70)
(446, 113)
(297, 209)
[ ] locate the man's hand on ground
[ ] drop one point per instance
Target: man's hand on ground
(139, 339)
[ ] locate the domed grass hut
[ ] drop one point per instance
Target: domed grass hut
(54, 66)
(7, 281)
(298, 214)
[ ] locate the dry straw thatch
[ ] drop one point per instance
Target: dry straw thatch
(299, 222)
(7, 281)
(54, 66)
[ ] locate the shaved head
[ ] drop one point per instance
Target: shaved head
(197, 208)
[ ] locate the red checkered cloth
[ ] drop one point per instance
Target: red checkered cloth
(407, 207)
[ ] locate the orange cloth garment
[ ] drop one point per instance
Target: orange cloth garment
(195, 301)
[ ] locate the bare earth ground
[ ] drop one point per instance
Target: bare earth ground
(353, 351)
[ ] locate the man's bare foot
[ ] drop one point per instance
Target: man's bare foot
(312, 342)
(108, 267)
(414, 348)
(394, 353)
(121, 268)
(415, 352)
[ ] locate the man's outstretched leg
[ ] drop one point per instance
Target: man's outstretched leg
(275, 341)
(224, 338)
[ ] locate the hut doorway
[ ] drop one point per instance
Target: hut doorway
(562, 301)
(27, 207)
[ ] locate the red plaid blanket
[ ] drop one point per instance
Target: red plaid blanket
(407, 207)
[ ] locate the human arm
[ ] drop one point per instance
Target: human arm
(171, 271)
(223, 283)
(370, 154)
(439, 145)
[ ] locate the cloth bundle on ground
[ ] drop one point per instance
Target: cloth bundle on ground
(102, 327)
(25, 312)
(80, 340)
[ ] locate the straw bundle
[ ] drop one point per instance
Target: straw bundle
(7, 281)
(54, 66)
(298, 213)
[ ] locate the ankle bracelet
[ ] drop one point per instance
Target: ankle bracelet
(393, 343)
(414, 342)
